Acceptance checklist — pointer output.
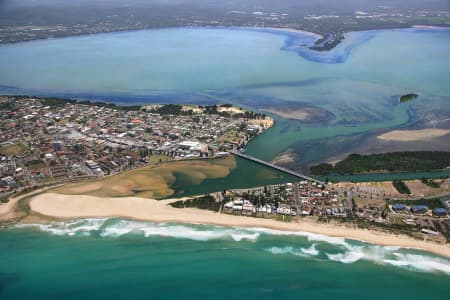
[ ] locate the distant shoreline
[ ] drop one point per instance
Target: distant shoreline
(285, 29)
(279, 29)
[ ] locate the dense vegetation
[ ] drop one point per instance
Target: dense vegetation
(171, 109)
(7, 106)
(61, 102)
(175, 109)
(431, 183)
(112, 105)
(56, 101)
(205, 202)
(251, 115)
(391, 161)
(408, 97)
(401, 187)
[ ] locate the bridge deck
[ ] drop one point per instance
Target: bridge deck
(270, 165)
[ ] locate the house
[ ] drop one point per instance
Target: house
(229, 205)
(248, 206)
(9, 181)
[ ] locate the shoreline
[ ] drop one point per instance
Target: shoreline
(71, 207)
(285, 30)
(80, 35)
(280, 29)
(7, 210)
(431, 27)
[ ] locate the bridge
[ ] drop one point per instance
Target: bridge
(270, 165)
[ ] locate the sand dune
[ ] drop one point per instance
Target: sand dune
(71, 206)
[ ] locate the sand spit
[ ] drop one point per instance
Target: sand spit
(413, 135)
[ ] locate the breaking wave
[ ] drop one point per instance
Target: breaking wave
(311, 250)
(308, 245)
(392, 256)
(81, 227)
(304, 252)
(115, 228)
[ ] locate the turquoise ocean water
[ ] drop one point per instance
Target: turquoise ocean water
(119, 259)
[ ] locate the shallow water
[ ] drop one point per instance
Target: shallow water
(115, 258)
(357, 83)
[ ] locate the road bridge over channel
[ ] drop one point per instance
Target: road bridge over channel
(273, 166)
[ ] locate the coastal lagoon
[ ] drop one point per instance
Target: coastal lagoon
(347, 93)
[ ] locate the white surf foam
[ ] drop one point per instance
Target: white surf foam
(347, 257)
(304, 252)
(420, 263)
(76, 227)
(200, 233)
(311, 250)
(117, 228)
(308, 235)
(349, 252)
(285, 250)
(391, 256)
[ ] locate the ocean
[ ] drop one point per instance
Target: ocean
(122, 259)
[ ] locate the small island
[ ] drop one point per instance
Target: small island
(408, 97)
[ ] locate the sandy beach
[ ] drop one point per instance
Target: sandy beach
(7, 210)
(318, 36)
(413, 135)
(430, 27)
(79, 206)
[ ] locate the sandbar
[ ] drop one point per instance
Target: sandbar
(413, 135)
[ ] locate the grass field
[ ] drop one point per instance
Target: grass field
(17, 149)
(153, 181)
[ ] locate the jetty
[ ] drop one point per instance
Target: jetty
(273, 166)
